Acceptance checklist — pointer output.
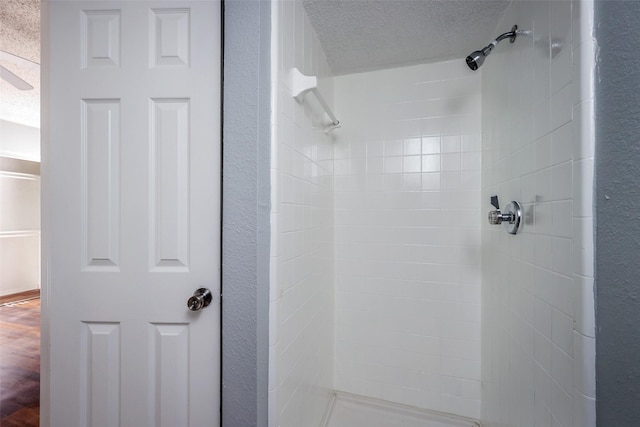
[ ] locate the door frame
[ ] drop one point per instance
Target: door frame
(246, 133)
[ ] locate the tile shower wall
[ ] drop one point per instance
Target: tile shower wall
(537, 287)
(302, 249)
(407, 200)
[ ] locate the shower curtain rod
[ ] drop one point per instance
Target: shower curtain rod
(302, 84)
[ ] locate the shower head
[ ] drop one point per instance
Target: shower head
(476, 59)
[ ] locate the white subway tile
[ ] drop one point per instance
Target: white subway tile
(412, 146)
(562, 293)
(411, 164)
(541, 116)
(542, 188)
(471, 180)
(561, 406)
(527, 159)
(562, 181)
(562, 332)
(561, 144)
(562, 256)
(374, 148)
(451, 144)
(542, 351)
(460, 368)
(431, 145)
(561, 67)
(561, 107)
(393, 165)
(471, 161)
(562, 370)
(411, 182)
(543, 318)
(543, 246)
(562, 223)
(451, 180)
(393, 147)
(450, 162)
(542, 386)
(431, 163)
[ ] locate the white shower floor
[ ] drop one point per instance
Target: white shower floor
(354, 411)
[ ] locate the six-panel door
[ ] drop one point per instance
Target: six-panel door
(133, 170)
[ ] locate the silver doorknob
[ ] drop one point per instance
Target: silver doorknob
(201, 298)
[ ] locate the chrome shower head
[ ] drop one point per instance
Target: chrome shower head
(476, 59)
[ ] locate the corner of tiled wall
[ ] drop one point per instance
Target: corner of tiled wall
(538, 329)
(301, 269)
(584, 378)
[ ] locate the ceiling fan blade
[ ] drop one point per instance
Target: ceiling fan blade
(14, 80)
(19, 61)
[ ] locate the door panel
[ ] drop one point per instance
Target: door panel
(134, 190)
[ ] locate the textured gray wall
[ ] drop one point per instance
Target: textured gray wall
(245, 213)
(618, 214)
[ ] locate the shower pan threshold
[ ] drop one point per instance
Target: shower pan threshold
(349, 410)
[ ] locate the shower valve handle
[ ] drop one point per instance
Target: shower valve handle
(497, 217)
(512, 217)
(494, 202)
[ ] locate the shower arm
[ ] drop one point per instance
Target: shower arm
(511, 35)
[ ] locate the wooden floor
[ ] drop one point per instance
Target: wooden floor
(20, 364)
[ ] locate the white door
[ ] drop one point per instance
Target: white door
(132, 212)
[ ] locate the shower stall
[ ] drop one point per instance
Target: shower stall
(389, 290)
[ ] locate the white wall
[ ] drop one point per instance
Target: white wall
(19, 225)
(537, 314)
(19, 208)
(19, 141)
(407, 199)
(301, 310)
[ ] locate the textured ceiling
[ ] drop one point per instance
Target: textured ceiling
(363, 35)
(20, 36)
(357, 35)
